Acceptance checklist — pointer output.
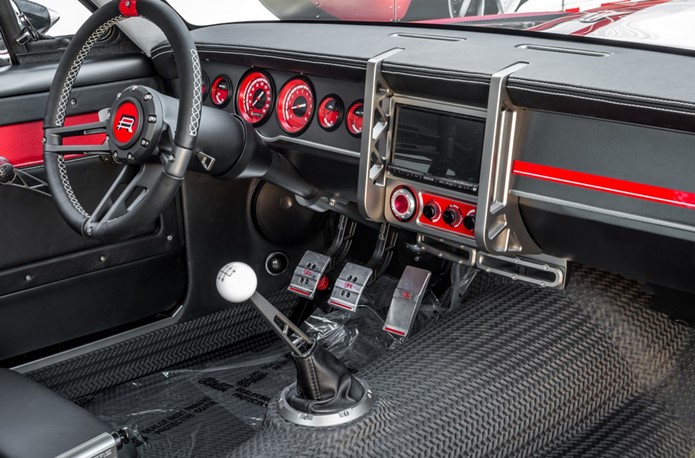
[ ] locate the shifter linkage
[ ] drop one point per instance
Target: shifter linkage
(290, 334)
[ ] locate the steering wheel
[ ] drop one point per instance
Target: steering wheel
(137, 134)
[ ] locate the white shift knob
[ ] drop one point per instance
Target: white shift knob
(236, 282)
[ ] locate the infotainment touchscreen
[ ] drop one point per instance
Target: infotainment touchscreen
(438, 147)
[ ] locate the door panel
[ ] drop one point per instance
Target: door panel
(57, 289)
(21, 142)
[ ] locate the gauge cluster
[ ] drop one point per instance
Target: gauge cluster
(289, 106)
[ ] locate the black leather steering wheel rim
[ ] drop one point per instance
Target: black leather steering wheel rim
(161, 180)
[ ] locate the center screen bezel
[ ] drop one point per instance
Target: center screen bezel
(466, 144)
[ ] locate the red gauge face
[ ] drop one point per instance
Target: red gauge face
(205, 86)
(330, 113)
(295, 105)
(354, 118)
(221, 91)
(255, 97)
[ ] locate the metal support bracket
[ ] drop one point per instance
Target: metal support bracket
(376, 140)
(499, 227)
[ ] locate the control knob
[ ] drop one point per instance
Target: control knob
(431, 211)
(452, 216)
(469, 220)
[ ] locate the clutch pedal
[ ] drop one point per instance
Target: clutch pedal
(308, 275)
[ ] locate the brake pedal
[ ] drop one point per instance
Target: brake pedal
(308, 275)
(349, 286)
(406, 300)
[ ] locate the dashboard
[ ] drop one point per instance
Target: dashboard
(509, 152)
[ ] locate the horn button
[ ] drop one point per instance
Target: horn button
(135, 125)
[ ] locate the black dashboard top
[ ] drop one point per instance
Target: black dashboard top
(581, 73)
(613, 111)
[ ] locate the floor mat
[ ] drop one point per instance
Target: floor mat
(211, 405)
(513, 370)
(233, 331)
(197, 412)
(520, 371)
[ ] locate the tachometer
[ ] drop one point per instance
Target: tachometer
(330, 112)
(354, 118)
(295, 105)
(254, 99)
(221, 91)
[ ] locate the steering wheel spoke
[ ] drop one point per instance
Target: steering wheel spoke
(134, 129)
(127, 191)
(55, 137)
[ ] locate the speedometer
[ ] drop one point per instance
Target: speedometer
(295, 105)
(255, 97)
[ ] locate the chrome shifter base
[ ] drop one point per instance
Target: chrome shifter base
(293, 415)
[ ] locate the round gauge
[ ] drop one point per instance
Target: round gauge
(295, 105)
(205, 86)
(330, 112)
(354, 118)
(255, 97)
(221, 91)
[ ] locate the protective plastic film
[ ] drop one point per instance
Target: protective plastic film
(210, 407)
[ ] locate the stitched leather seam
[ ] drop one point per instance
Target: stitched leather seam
(602, 92)
(268, 52)
(595, 99)
(441, 78)
(294, 59)
(438, 71)
(314, 380)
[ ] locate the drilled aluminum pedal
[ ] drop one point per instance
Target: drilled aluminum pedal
(349, 287)
(406, 301)
(308, 274)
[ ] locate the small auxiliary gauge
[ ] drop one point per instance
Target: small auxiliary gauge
(221, 91)
(330, 112)
(354, 118)
(254, 100)
(295, 105)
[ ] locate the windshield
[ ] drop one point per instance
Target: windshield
(659, 22)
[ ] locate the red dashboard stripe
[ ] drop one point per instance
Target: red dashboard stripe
(21, 143)
(605, 184)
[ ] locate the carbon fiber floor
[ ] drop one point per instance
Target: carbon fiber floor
(230, 332)
(512, 371)
(518, 371)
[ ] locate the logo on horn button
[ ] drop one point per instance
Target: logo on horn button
(126, 123)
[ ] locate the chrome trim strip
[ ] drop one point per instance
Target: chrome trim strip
(102, 446)
(603, 215)
(97, 345)
(299, 141)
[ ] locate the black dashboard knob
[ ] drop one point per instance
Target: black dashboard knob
(469, 220)
(452, 216)
(430, 211)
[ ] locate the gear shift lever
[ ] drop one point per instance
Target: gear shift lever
(236, 282)
(326, 394)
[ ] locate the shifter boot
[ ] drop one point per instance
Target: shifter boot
(324, 384)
